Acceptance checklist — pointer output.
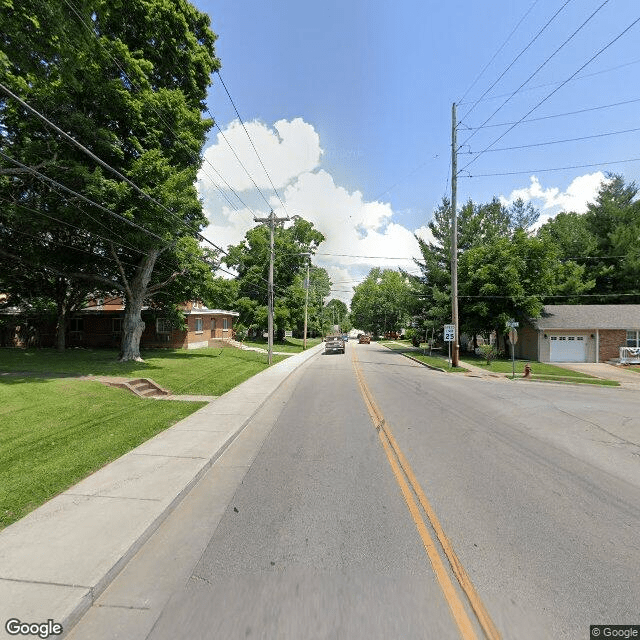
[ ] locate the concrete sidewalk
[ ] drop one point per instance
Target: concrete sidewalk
(58, 559)
(605, 371)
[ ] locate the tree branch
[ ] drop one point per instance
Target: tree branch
(169, 280)
(127, 288)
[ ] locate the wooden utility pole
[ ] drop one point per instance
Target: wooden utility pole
(454, 236)
(271, 221)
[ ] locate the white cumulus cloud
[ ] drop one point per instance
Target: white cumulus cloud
(359, 234)
(552, 200)
(286, 150)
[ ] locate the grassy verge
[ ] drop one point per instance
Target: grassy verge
(200, 371)
(405, 347)
(435, 361)
(538, 368)
(55, 432)
(288, 345)
(541, 371)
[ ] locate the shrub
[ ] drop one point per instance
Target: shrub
(488, 352)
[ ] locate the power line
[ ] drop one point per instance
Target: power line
(473, 84)
(517, 58)
(167, 125)
(555, 90)
(553, 84)
(44, 178)
(251, 141)
(73, 226)
(556, 295)
(538, 69)
(575, 166)
(544, 144)
(555, 115)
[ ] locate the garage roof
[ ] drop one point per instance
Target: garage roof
(589, 316)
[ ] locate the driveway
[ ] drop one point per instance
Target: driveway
(604, 371)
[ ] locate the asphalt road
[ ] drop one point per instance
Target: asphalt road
(306, 529)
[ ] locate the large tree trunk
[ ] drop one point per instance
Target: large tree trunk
(133, 325)
(62, 315)
(61, 327)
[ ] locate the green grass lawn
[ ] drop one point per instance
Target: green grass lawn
(540, 371)
(288, 345)
(55, 432)
(209, 372)
(405, 347)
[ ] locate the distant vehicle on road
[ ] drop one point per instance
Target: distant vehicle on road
(363, 338)
(333, 343)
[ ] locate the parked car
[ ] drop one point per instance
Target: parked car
(333, 343)
(363, 338)
(345, 337)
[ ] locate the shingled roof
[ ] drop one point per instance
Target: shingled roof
(589, 316)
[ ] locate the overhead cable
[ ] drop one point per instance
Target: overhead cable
(251, 141)
(160, 116)
(555, 15)
(555, 115)
(550, 142)
(530, 171)
(502, 46)
(538, 69)
(44, 178)
(602, 50)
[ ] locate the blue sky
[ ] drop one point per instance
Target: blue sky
(349, 105)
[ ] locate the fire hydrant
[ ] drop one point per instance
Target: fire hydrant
(527, 371)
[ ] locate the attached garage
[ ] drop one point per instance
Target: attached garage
(580, 333)
(565, 348)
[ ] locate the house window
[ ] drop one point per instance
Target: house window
(117, 325)
(76, 324)
(163, 325)
(198, 325)
(225, 324)
(213, 324)
(633, 338)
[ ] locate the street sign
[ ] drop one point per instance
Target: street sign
(513, 336)
(449, 332)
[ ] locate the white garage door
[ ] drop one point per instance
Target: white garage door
(568, 349)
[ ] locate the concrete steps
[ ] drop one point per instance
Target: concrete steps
(142, 387)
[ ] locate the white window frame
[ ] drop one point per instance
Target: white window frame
(198, 323)
(225, 324)
(633, 341)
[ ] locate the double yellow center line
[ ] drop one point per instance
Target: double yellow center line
(411, 490)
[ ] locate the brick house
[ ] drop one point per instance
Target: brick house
(100, 325)
(581, 333)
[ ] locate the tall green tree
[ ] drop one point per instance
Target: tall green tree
(128, 81)
(250, 258)
(510, 278)
(613, 220)
(382, 302)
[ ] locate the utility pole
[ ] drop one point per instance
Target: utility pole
(306, 300)
(454, 235)
(271, 221)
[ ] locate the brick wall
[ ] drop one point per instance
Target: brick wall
(610, 342)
